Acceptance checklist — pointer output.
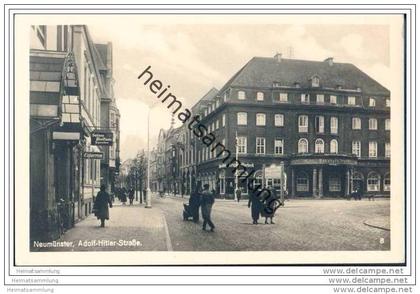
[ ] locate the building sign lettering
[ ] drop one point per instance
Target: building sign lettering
(101, 138)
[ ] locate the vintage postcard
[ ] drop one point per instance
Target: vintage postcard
(189, 139)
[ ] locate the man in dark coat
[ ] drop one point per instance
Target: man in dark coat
(207, 200)
(194, 204)
(123, 195)
(238, 193)
(131, 196)
(255, 203)
(101, 205)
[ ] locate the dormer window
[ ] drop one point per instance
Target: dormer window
(315, 81)
(241, 95)
(297, 85)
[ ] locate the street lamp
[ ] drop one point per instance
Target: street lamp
(148, 191)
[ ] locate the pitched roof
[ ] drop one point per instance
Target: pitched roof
(262, 72)
(209, 96)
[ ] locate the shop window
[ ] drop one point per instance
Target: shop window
(302, 182)
(334, 184)
(258, 180)
(373, 182)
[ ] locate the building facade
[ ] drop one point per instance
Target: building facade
(65, 109)
(318, 129)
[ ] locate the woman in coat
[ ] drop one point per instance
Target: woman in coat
(270, 203)
(255, 203)
(101, 205)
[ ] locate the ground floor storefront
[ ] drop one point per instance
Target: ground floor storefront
(317, 176)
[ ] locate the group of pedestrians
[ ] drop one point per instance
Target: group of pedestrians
(204, 198)
(263, 203)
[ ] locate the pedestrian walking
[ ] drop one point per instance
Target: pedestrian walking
(270, 204)
(131, 196)
(123, 195)
(101, 205)
(207, 201)
(254, 203)
(238, 194)
(194, 204)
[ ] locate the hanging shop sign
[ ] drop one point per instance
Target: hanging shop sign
(93, 155)
(274, 171)
(101, 138)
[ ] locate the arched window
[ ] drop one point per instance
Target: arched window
(303, 145)
(373, 182)
(319, 146)
(302, 182)
(258, 179)
(387, 182)
(334, 146)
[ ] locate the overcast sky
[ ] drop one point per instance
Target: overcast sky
(192, 58)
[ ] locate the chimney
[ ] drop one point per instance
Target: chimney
(278, 57)
(330, 61)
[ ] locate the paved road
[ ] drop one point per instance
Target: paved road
(300, 225)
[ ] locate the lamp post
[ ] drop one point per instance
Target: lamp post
(148, 191)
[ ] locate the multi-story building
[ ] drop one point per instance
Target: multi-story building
(66, 88)
(189, 141)
(327, 123)
(110, 116)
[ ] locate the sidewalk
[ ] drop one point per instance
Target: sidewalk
(129, 228)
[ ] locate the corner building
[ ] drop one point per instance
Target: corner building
(328, 123)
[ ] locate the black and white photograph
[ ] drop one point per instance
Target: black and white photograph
(201, 145)
(209, 139)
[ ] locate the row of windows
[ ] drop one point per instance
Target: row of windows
(305, 98)
(303, 147)
(303, 122)
(356, 147)
(334, 182)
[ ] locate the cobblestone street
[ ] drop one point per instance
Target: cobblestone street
(300, 225)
